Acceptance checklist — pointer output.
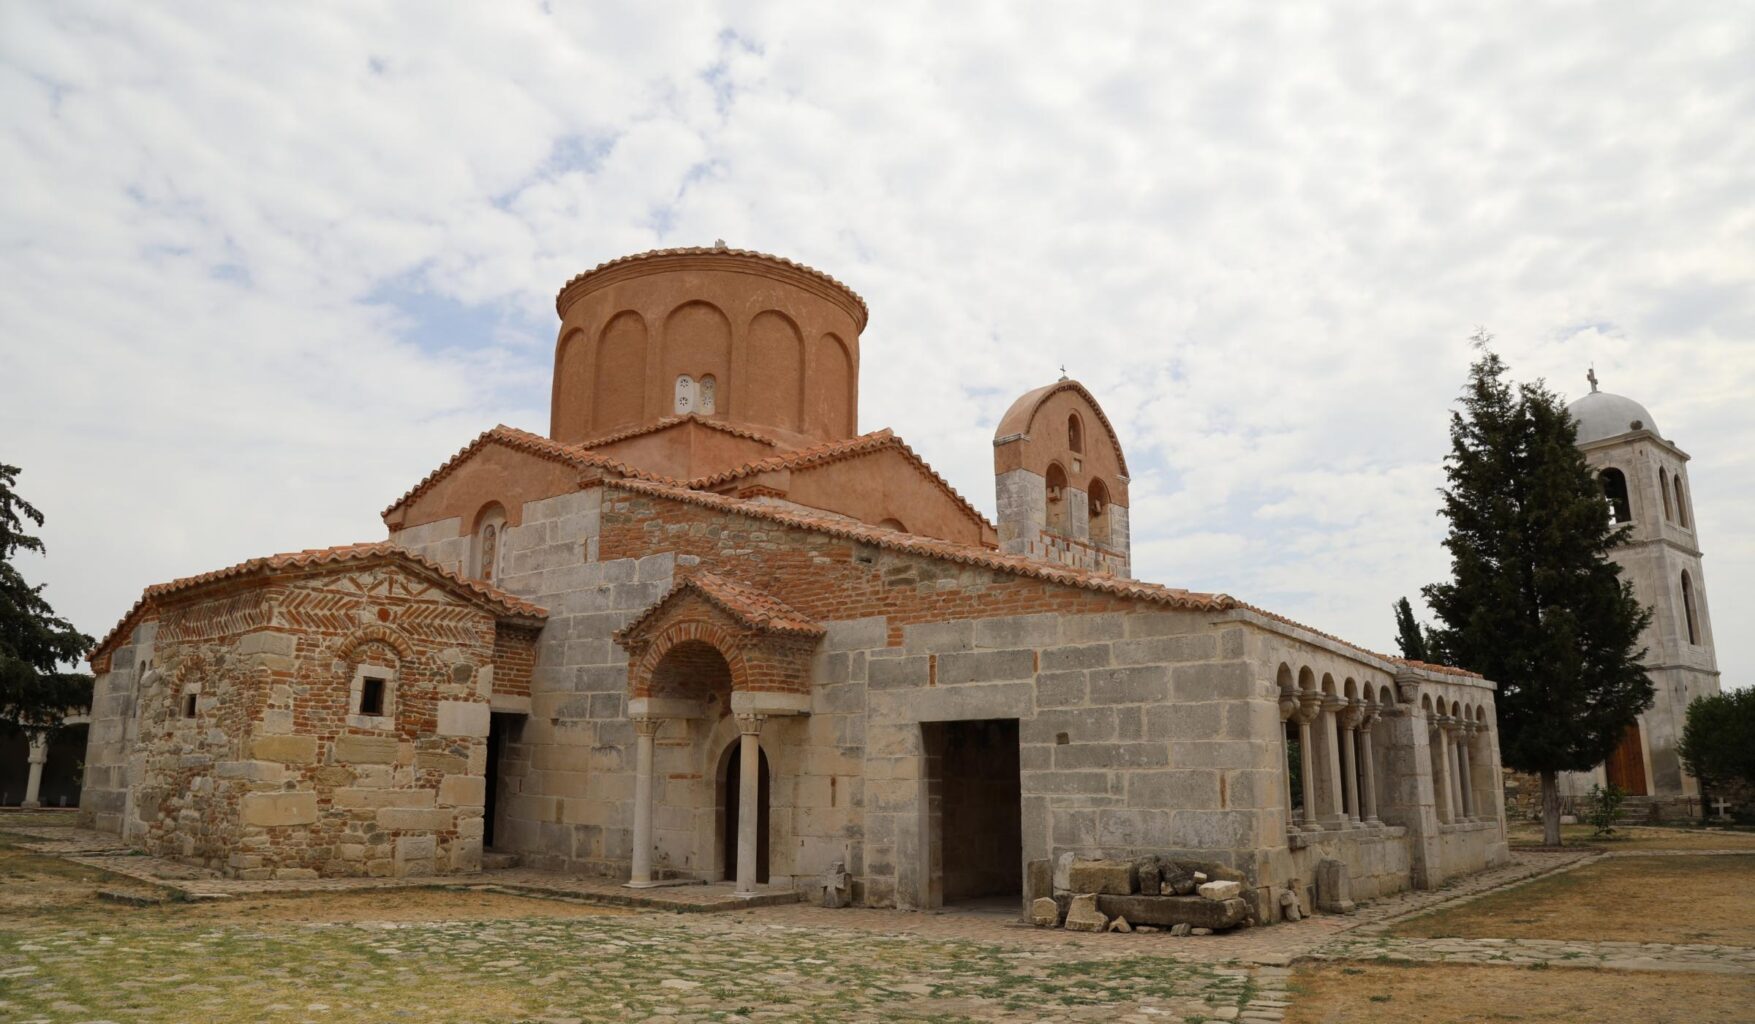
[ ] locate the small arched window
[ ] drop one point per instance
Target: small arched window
(893, 524)
(1681, 502)
(1099, 502)
(685, 395)
(1664, 489)
(706, 395)
(1056, 495)
(1688, 608)
(1615, 490)
(1075, 434)
(489, 543)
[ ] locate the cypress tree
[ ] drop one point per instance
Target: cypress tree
(1534, 602)
(1408, 636)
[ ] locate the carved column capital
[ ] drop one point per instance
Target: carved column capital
(1309, 706)
(647, 725)
(750, 724)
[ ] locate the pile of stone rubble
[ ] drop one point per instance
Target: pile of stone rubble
(1183, 897)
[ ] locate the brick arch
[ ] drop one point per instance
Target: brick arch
(375, 633)
(729, 644)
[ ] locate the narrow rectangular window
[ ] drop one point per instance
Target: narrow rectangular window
(189, 705)
(371, 696)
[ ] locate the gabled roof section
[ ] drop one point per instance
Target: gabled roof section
(838, 451)
(1017, 418)
(669, 422)
(967, 554)
(1170, 597)
(486, 596)
(755, 609)
(523, 441)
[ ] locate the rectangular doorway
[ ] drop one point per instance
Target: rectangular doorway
(975, 806)
(503, 729)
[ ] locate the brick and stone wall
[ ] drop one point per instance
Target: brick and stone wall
(1141, 729)
(276, 774)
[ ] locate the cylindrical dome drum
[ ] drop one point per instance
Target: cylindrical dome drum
(736, 336)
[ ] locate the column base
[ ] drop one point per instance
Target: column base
(661, 883)
(30, 805)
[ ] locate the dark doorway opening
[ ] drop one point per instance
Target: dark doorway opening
(731, 787)
(502, 729)
(61, 772)
(977, 808)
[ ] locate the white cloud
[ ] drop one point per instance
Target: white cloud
(1261, 236)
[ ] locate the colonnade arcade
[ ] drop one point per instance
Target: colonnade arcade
(1337, 741)
(709, 656)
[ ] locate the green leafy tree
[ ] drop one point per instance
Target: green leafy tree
(35, 644)
(1718, 740)
(1534, 602)
(1410, 636)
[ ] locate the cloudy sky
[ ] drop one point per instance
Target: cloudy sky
(264, 266)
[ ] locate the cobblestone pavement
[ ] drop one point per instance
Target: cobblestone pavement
(767, 963)
(1624, 956)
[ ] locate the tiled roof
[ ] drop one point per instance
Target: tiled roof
(714, 250)
(671, 421)
(966, 554)
(756, 607)
(524, 441)
(1185, 600)
(497, 600)
(836, 451)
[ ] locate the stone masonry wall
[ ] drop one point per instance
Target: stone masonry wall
(275, 775)
(111, 738)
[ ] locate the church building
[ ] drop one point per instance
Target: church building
(705, 630)
(1645, 479)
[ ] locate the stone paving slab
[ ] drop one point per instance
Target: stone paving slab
(1625, 956)
(195, 883)
(60, 839)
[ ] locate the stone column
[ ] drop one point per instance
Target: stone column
(1465, 775)
(38, 756)
(1349, 723)
(748, 794)
(1370, 767)
(1448, 812)
(1308, 708)
(1288, 709)
(1331, 707)
(645, 729)
(1459, 811)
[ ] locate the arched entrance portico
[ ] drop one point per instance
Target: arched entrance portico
(714, 652)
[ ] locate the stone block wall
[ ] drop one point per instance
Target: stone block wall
(275, 774)
(112, 760)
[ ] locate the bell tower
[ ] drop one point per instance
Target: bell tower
(1645, 479)
(1062, 481)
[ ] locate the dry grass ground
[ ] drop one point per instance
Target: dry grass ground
(1629, 899)
(1636, 837)
(1435, 994)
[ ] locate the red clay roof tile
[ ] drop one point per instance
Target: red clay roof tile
(968, 555)
(524, 441)
(672, 421)
(757, 608)
(496, 600)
